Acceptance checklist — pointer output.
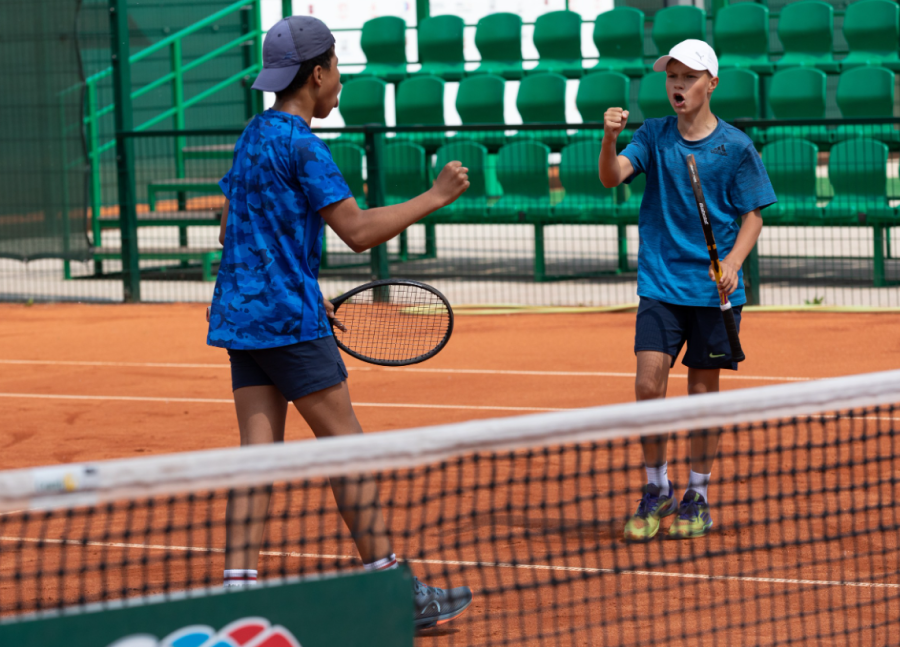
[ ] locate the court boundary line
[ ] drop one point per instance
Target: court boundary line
(441, 562)
(406, 369)
(148, 398)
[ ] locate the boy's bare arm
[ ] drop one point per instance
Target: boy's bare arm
(223, 222)
(613, 168)
(751, 227)
(362, 230)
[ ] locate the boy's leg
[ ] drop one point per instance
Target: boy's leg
(261, 412)
(657, 500)
(707, 344)
(704, 443)
(329, 413)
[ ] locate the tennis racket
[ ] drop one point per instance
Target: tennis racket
(737, 354)
(392, 322)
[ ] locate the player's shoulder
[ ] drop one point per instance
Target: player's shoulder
(658, 126)
(737, 138)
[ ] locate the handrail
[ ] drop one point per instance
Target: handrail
(178, 35)
(251, 33)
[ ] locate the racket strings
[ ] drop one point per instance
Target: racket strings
(393, 323)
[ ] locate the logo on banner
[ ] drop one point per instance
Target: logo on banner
(246, 632)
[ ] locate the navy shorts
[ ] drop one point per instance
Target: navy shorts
(296, 370)
(665, 328)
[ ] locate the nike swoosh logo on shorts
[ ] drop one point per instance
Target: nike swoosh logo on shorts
(715, 356)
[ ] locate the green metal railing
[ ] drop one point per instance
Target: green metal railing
(251, 42)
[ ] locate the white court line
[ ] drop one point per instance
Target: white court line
(409, 369)
(531, 567)
(383, 405)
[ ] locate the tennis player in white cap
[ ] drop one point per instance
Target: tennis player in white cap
(678, 304)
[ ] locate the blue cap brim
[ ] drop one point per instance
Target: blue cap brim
(275, 79)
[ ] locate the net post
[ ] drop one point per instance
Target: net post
(376, 197)
(121, 48)
(287, 8)
(751, 277)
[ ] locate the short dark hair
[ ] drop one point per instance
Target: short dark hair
(305, 71)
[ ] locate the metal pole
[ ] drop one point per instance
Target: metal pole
(375, 197)
(287, 8)
(118, 25)
(423, 10)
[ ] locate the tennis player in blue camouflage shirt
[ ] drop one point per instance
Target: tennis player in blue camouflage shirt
(268, 310)
(678, 303)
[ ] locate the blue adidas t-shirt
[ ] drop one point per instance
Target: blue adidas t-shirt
(267, 291)
(673, 261)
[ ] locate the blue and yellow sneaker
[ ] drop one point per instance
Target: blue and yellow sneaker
(644, 524)
(693, 518)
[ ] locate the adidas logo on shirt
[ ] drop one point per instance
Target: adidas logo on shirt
(720, 150)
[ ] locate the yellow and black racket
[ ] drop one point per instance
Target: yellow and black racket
(737, 354)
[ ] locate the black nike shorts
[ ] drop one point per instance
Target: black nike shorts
(296, 370)
(665, 327)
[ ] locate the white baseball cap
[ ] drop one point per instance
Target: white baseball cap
(696, 54)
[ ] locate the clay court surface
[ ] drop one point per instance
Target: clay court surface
(89, 382)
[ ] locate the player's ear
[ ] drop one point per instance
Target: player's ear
(713, 82)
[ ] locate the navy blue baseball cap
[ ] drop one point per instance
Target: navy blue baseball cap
(291, 41)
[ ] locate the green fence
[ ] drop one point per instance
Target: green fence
(536, 228)
(43, 172)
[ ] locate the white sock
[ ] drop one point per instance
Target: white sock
(699, 484)
(239, 578)
(385, 564)
(659, 476)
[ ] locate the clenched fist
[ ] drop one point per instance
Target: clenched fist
(614, 121)
(452, 182)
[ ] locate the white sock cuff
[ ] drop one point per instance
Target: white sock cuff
(382, 564)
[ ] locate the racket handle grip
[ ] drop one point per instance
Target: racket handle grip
(737, 353)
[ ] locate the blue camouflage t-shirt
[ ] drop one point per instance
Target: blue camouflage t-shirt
(267, 291)
(673, 262)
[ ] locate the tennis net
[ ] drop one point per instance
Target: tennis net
(527, 511)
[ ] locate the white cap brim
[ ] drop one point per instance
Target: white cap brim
(696, 54)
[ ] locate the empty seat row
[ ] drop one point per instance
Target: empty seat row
(741, 35)
(857, 171)
(797, 93)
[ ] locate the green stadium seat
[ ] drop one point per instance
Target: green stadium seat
(472, 203)
(405, 172)
(675, 24)
(872, 30)
(741, 33)
(349, 159)
(806, 30)
(629, 209)
(542, 99)
(362, 102)
(597, 92)
(791, 166)
(586, 198)
(524, 172)
(480, 101)
(441, 47)
(737, 95)
(798, 93)
(557, 36)
(420, 102)
(383, 41)
(857, 169)
(498, 38)
(653, 98)
(867, 92)
(619, 37)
